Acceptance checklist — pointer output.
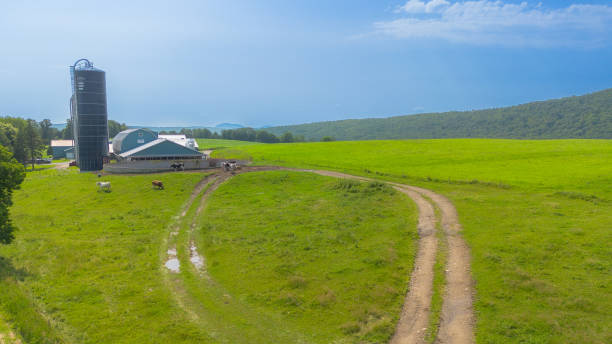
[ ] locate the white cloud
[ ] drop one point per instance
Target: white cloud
(418, 6)
(497, 22)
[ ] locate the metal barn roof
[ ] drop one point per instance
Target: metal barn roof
(181, 139)
(61, 143)
(161, 148)
(118, 140)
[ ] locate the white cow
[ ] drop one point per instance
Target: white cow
(104, 186)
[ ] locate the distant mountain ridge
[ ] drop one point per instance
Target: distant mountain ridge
(587, 116)
(229, 126)
(217, 128)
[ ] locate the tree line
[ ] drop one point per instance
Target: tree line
(199, 133)
(26, 139)
(23, 138)
(588, 117)
(240, 134)
(259, 135)
(17, 137)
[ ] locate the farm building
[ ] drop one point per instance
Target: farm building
(145, 144)
(161, 149)
(182, 140)
(65, 149)
(59, 148)
(132, 138)
(144, 151)
(70, 153)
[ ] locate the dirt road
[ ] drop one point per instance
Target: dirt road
(9, 338)
(414, 319)
(61, 165)
(457, 319)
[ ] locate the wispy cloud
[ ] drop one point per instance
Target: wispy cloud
(487, 22)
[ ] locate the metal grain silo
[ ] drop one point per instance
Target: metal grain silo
(89, 116)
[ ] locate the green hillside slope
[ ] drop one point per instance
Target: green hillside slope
(536, 215)
(587, 116)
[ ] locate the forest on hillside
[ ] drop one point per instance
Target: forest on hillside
(588, 116)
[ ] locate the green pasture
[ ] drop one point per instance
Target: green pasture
(555, 165)
(327, 259)
(85, 265)
(6, 335)
(536, 214)
(205, 144)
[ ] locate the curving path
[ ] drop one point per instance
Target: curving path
(457, 319)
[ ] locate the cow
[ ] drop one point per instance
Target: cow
(158, 184)
(104, 186)
(230, 166)
(178, 166)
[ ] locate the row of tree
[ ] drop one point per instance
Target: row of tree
(27, 138)
(241, 134)
(18, 138)
(193, 133)
(255, 135)
(23, 138)
(12, 174)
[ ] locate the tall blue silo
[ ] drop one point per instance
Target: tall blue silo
(89, 115)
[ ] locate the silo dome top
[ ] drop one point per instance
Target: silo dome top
(85, 64)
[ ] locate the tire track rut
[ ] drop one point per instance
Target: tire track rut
(457, 318)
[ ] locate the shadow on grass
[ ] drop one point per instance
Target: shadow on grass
(7, 270)
(26, 318)
(38, 169)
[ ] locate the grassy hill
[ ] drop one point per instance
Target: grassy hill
(294, 257)
(338, 277)
(536, 215)
(587, 116)
(87, 266)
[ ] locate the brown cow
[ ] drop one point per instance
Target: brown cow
(158, 184)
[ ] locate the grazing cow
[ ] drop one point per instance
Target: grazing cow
(158, 184)
(230, 166)
(104, 186)
(178, 166)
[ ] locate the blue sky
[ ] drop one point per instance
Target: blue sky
(283, 62)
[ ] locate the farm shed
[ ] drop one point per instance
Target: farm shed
(132, 138)
(69, 153)
(182, 140)
(59, 148)
(161, 149)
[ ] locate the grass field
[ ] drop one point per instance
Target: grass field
(556, 165)
(205, 144)
(325, 258)
(85, 265)
(6, 335)
(536, 214)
